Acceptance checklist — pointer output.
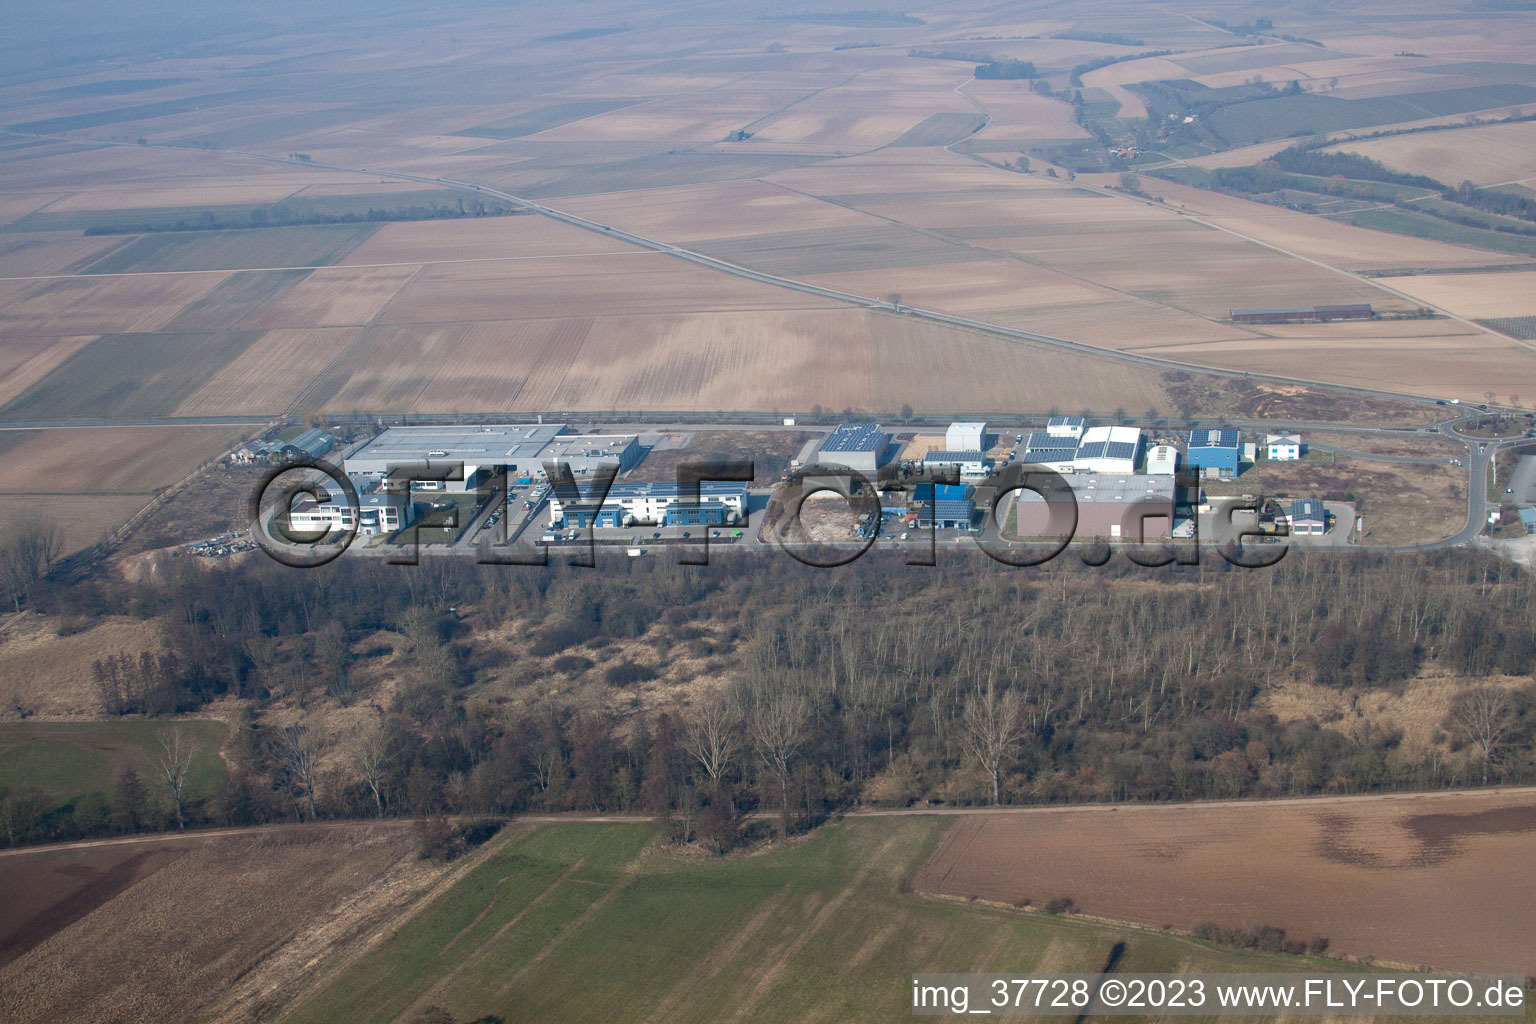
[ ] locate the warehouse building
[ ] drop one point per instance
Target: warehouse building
(971, 463)
(1065, 426)
(483, 451)
(585, 454)
(966, 436)
(1284, 447)
(1291, 314)
(1214, 451)
(1309, 517)
(856, 446)
(952, 507)
(654, 504)
(1113, 506)
(1108, 450)
(1049, 451)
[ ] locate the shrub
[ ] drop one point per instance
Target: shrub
(627, 673)
(1061, 905)
(571, 664)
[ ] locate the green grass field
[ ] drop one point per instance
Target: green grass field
(1403, 222)
(590, 922)
(69, 759)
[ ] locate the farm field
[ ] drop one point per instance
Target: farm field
(96, 460)
(1412, 879)
(1485, 155)
(49, 676)
(1476, 295)
(818, 927)
(68, 760)
(160, 930)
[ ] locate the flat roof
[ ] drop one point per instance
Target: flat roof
(486, 443)
(1065, 421)
(664, 489)
(1114, 489)
(592, 445)
(855, 437)
(971, 456)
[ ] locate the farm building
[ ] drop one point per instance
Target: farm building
(1309, 517)
(1214, 451)
(952, 507)
(654, 504)
(1065, 426)
(1110, 505)
(966, 436)
(1108, 450)
(481, 450)
(1049, 451)
(311, 444)
(856, 446)
(1163, 460)
(1291, 314)
(971, 462)
(1284, 447)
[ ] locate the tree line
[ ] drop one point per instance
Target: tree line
(817, 691)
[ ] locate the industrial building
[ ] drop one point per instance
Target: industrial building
(1049, 451)
(1284, 447)
(1108, 450)
(1527, 518)
(483, 451)
(966, 436)
(585, 454)
(1214, 451)
(1065, 426)
(1111, 506)
(311, 444)
(654, 504)
(1309, 517)
(1163, 460)
(971, 463)
(1291, 314)
(952, 507)
(856, 446)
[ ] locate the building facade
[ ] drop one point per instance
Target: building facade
(965, 436)
(653, 504)
(1283, 447)
(1214, 451)
(971, 463)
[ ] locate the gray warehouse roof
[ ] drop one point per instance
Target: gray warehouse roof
(482, 445)
(855, 437)
(946, 457)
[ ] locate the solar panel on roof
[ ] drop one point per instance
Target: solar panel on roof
(1120, 450)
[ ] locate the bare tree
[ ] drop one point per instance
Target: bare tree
(1483, 716)
(777, 726)
(710, 737)
(172, 764)
(372, 759)
(301, 749)
(991, 726)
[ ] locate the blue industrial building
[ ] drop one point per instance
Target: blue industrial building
(1214, 451)
(951, 507)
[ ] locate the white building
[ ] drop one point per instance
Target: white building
(661, 504)
(376, 512)
(1049, 451)
(970, 463)
(966, 436)
(1163, 460)
(1108, 450)
(1285, 447)
(1065, 426)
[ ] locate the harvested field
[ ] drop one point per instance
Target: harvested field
(136, 197)
(719, 210)
(270, 374)
(101, 460)
(336, 296)
(98, 305)
(50, 675)
(592, 286)
(940, 130)
(242, 249)
(24, 361)
(174, 936)
(128, 375)
(1510, 294)
(33, 254)
(237, 297)
(1485, 155)
(82, 520)
(1021, 115)
(481, 238)
(1415, 880)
